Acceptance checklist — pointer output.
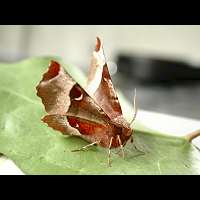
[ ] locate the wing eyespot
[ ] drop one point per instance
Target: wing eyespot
(76, 93)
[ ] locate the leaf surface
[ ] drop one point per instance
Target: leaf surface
(37, 149)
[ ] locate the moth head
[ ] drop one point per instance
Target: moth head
(125, 135)
(123, 127)
(127, 132)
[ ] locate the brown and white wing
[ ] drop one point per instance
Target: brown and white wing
(100, 85)
(64, 98)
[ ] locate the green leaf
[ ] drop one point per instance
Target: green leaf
(37, 149)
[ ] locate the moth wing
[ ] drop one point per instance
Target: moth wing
(61, 96)
(100, 85)
(87, 129)
(60, 123)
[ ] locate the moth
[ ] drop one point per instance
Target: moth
(93, 113)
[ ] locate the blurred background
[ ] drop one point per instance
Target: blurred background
(161, 61)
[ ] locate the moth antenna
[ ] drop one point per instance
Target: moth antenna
(109, 151)
(134, 108)
(121, 146)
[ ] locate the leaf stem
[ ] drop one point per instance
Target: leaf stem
(193, 135)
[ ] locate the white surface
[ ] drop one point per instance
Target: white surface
(171, 125)
(7, 167)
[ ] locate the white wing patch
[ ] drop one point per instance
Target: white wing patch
(99, 61)
(79, 98)
(94, 84)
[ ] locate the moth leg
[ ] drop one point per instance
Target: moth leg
(135, 146)
(121, 146)
(109, 152)
(131, 139)
(139, 150)
(86, 147)
(135, 109)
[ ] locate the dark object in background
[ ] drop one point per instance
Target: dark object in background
(153, 70)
